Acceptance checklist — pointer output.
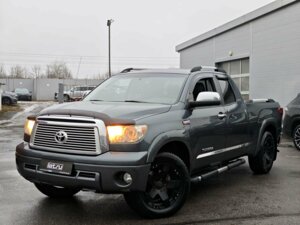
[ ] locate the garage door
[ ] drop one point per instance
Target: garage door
(239, 72)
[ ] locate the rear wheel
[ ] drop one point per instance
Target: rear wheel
(167, 188)
(262, 163)
(296, 137)
(56, 192)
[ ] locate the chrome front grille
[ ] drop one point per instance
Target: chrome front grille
(69, 135)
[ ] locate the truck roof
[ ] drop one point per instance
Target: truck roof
(173, 70)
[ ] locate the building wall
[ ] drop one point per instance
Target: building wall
(275, 69)
(11, 84)
(273, 44)
(44, 89)
(201, 54)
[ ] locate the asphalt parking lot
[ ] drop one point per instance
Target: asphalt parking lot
(235, 197)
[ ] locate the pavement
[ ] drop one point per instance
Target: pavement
(235, 197)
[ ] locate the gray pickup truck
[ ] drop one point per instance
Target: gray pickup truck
(149, 134)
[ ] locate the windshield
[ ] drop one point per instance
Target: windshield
(149, 88)
(21, 91)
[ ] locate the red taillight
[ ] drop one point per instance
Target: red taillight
(280, 111)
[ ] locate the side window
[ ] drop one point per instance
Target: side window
(227, 92)
(203, 85)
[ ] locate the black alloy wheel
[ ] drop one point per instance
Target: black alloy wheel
(296, 137)
(167, 188)
(262, 162)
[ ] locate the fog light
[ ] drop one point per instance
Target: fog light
(127, 178)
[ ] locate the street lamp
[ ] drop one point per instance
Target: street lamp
(109, 22)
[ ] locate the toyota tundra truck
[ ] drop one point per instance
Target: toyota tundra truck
(149, 134)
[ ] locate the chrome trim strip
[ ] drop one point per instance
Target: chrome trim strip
(223, 150)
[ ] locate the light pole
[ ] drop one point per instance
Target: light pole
(109, 22)
(1, 95)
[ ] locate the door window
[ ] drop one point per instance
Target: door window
(203, 85)
(227, 92)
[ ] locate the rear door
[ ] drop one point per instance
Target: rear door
(238, 135)
(76, 92)
(82, 91)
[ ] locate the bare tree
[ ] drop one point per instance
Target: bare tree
(106, 74)
(2, 72)
(18, 72)
(98, 76)
(58, 70)
(36, 71)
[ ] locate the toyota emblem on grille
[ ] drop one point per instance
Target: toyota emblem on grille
(61, 137)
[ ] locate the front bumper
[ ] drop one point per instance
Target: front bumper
(100, 173)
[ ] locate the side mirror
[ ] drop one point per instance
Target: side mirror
(206, 98)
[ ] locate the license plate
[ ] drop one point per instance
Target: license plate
(56, 167)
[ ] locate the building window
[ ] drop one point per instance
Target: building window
(239, 72)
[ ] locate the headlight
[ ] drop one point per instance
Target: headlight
(29, 124)
(126, 134)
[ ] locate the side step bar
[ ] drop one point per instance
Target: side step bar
(231, 165)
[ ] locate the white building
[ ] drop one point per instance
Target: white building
(260, 50)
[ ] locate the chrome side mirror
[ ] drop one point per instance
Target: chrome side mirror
(208, 96)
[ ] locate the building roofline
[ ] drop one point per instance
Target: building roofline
(273, 6)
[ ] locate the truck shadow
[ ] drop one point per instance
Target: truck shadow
(205, 200)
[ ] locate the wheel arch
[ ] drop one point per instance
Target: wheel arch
(270, 126)
(175, 144)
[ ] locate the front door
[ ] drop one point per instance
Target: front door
(208, 126)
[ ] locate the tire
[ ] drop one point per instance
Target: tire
(262, 163)
(66, 98)
(296, 137)
(6, 101)
(56, 192)
(167, 188)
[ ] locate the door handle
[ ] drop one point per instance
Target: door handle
(221, 115)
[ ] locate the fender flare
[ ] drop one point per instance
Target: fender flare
(265, 124)
(165, 138)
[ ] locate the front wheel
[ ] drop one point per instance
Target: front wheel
(6, 101)
(262, 163)
(167, 188)
(56, 192)
(66, 98)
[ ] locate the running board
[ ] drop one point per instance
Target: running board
(231, 165)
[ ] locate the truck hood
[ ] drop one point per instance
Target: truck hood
(123, 111)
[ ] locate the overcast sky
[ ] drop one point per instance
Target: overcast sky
(144, 33)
